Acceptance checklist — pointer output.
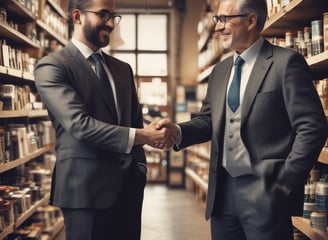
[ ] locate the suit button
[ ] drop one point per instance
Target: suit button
(230, 149)
(232, 120)
(230, 134)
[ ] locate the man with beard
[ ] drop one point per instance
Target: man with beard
(100, 172)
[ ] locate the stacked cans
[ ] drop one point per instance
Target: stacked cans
(318, 218)
(316, 201)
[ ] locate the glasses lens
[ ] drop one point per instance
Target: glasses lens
(106, 16)
(117, 19)
(219, 19)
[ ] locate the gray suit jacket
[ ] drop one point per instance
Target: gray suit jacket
(283, 125)
(90, 145)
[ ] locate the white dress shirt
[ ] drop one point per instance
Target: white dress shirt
(87, 52)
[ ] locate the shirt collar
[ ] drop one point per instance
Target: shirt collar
(250, 54)
(84, 49)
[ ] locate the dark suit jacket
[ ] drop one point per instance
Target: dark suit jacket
(283, 125)
(90, 145)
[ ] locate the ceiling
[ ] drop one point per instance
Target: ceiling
(145, 4)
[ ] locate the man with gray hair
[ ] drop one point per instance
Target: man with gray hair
(266, 125)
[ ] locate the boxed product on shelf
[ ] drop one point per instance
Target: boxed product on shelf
(6, 213)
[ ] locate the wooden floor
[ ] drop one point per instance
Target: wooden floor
(172, 214)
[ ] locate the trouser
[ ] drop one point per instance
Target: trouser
(122, 221)
(237, 216)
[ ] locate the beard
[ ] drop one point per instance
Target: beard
(95, 36)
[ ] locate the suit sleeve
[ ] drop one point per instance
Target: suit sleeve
(199, 128)
(67, 109)
(307, 119)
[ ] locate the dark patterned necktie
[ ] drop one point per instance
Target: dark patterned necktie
(234, 90)
(101, 73)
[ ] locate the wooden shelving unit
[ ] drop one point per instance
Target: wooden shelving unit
(8, 32)
(15, 163)
(50, 234)
(24, 113)
(295, 16)
(323, 158)
(45, 27)
(16, 39)
(304, 225)
(11, 228)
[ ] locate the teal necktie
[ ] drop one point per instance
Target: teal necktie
(234, 90)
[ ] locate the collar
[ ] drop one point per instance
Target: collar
(84, 49)
(250, 54)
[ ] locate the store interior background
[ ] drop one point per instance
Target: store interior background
(172, 49)
(170, 93)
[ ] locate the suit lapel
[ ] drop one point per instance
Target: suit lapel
(261, 67)
(89, 73)
(118, 86)
(219, 96)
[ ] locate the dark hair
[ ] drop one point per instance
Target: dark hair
(255, 6)
(77, 4)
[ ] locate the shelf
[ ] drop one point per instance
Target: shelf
(323, 157)
(319, 65)
(197, 179)
(11, 228)
(203, 41)
(23, 113)
(303, 225)
(5, 232)
(8, 32)
(22, 13)
(318, 61)
(16, 39)
(51, 234)
(14, 73)
(58, 8)
(15, 163)
(37, 113)
(30, 211)
(206, 36)
(292, 17)
(11, 72)
(205, 74)
(55, 35)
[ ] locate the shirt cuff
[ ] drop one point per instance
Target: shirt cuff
(132, 135)
(177, 144)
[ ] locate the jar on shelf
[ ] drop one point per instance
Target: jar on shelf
(317, 36)
(318, 220)
(3, 15)
(289, 40)
(325, 31)
(321, 196)
(307, 41)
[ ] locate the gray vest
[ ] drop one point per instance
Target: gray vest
(236, 157)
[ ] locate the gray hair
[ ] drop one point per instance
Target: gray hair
(255, 6)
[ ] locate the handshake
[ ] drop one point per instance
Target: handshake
(161, 134)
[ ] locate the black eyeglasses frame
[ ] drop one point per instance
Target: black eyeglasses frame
(106, 15)
(223, 18)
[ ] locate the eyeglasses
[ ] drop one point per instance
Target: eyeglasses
(105, 16)
(223, 18)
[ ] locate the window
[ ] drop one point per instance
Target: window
(142, 41)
